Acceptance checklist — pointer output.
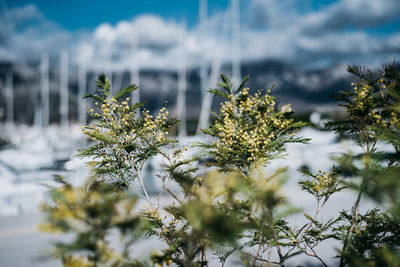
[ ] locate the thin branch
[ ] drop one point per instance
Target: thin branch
(173, 195)
(139, 176)
(143, 188)
(345, 243)
(159, 194)
(258, 250)
(356, 204)
(315, 255)
(278, 247)
(317, 210)
(134, 190)
(259, 259)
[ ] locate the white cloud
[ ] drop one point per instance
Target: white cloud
(350, 13)
(22, 14)
(337, 32)
(25, 33)
(273, 29)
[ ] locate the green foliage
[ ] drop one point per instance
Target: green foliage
(124, 140)
(89, 213)
(228, 204)
(375, 231)
(249, 130)
(321, 185)
(372, 108)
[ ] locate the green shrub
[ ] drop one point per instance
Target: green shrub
(226, 203)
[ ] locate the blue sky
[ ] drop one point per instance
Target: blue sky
(80, 14)
(305, 33)
(77, 14)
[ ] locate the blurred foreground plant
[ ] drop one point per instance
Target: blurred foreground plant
(89, 213)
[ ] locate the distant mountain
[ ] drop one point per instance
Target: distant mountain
(304, 89)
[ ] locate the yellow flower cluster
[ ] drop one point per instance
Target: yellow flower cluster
(153, 214)
(153, 126)
(394, 120)
(250, 122)
(167, 227)
(119, 123)
(67, 209)
(160, 263)
(72, 211)
(323, 182)
(216, 185)
(363, 106)
(362, 99)
(117, 116)
(76, 261)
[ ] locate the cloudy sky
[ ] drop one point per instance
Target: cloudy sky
(308, 33)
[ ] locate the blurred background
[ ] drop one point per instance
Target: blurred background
(52, 51)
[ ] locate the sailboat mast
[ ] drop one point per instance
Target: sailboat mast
(10, 98)
(235, 20)
(203, 35)
(82, 72)
(206, 104)
(135, 68)
(181, 96)
(64, 88)
(44, 86)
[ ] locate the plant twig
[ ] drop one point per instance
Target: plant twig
(260, 259)
(258, 250)
(314, 255)
(139, 176)
(173, 195)
(356, 205)
(134, 190)
(278, 247)
(355, 217)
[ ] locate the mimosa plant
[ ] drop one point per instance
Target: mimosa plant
(223, 202)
